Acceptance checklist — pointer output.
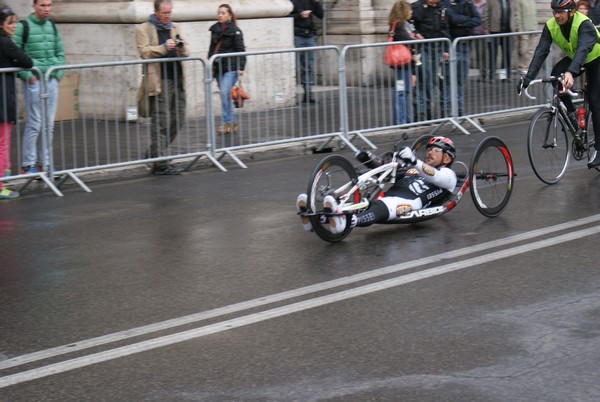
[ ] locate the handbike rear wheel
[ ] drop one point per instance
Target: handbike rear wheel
(334, 176)
(548, 146)
(492, 176)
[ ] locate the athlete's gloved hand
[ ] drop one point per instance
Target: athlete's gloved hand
(407, 156)
(523, 83)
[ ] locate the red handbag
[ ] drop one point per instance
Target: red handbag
(396, 55)
(238, 95)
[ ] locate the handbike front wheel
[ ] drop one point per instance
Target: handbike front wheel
(492, 176)
(548, 146)
(334, 176)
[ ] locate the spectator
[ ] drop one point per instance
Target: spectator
(583, 7)
(525, 15)
(482, 47)
(594, 11)
(164, 82)
(400, 14)
(480, 6)
(431, 21)
(463, 20)
(304, 36)
(226, 37)
(496, 20)
(43, 44)
(10, 56)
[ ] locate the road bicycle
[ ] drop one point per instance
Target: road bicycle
(553, 136)
(489, 175)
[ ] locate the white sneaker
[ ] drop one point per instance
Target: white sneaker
(301, 202)
(337, 223)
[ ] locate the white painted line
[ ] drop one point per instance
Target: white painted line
(233, 308)
(100, 357)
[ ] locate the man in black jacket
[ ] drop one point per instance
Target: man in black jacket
(431, 21)
(463, 18)
(304, 36)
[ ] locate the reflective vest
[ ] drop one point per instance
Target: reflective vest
(569, 47)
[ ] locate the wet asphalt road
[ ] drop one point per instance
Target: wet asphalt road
(204, 287)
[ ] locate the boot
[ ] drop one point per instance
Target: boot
(308, 98)
(234, 128)
(224, 129)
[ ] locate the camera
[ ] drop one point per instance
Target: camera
(178, 41)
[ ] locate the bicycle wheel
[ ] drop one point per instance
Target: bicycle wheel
(548, 146)
(335, 176)
(491, 176)
(589, 138)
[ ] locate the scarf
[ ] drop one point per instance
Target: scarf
(158, 25)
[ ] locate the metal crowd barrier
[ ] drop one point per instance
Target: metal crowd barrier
(276, 113)
(354, 89)
(490, 90)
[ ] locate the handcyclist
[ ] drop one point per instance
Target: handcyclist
(576, 35)
(424, 183)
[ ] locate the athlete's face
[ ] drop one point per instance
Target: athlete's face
(435, 157)
(562, 16)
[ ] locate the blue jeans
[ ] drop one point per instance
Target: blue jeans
(34, 150)
(462, 72)
(432, 72)
(305, 61)
(506, 44)
(226, 81)
(401, 92)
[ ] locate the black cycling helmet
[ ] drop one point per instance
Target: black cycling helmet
(445, 144)
(563, 4)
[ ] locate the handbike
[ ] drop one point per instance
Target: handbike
(490, 176)
(552, 134)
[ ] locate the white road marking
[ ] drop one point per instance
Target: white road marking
(307, 304)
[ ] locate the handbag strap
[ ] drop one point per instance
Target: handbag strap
(218, 46)
(392, 32)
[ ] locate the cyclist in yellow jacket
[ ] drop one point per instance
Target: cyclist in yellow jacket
(576, 35)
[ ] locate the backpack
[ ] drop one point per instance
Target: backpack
(26, 31)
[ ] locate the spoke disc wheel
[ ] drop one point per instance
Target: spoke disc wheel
(333, 176)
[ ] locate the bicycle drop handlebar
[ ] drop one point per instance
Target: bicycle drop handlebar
(549, 80)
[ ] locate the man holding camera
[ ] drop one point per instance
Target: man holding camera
(163, 83)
